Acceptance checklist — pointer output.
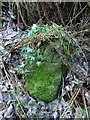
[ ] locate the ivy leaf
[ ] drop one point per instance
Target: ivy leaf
(32, 58)
(38, 63)
(24, 48)
(62, 32)
(26, 40)
(29, 49)
(31, 62)
(23, 35)
(47, 30)
(31, 32)
(34, 26)
(54, 25)
(40, 57)
(22, 65)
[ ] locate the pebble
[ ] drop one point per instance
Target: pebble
(25, 99)
(29, 113)
(2, 114)
(10, 112)
(34, 110)
(87, 95)
(55, 114)
(6, 97)
(53, 105)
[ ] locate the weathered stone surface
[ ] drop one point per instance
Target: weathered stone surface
(44, 80)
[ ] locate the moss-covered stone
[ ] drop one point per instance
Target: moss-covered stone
(44, 80)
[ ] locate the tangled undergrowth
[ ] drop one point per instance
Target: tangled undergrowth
(66, 50)
(46, 51)
(33, 46)
(70, 54)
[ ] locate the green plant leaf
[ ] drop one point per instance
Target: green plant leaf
(22, 65)
(29, 49)
(24, 48)
(38, 63)
(31, 32)
(32, 58)
(40, 57)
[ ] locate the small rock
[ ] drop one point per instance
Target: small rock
(1, 87)
(7, 84)
(19, 84)
(1, 101)
(29, 113)
(34, 26)
(25, 99)
(2, 113)
(6, 97)
(10, 112)
(34, 110)
(53, 105)
(87, 95)
(55, 115)
(31, 101)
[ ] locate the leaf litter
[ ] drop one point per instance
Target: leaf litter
(15, 101)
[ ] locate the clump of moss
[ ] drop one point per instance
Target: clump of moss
(44, 80)
(43, 60)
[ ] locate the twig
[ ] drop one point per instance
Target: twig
(77, 14)
(83, 96)
(71, 102)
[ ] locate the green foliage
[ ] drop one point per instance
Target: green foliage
(19, 104)
(44, 80)
(66, 43)
(43, 67)
(45, 77)
(81, 113)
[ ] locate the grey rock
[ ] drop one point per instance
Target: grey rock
(29, 113)
(53, 105)
(19, 84)
(87, 95)
(2, 114)
(1, 101)
(25, 99)
(55, 114)
(6, 97)
(31, 100)
(34, 110)
(2, 87)
(10, 111)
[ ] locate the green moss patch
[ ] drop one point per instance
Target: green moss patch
(44, 81)
(43, 66)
